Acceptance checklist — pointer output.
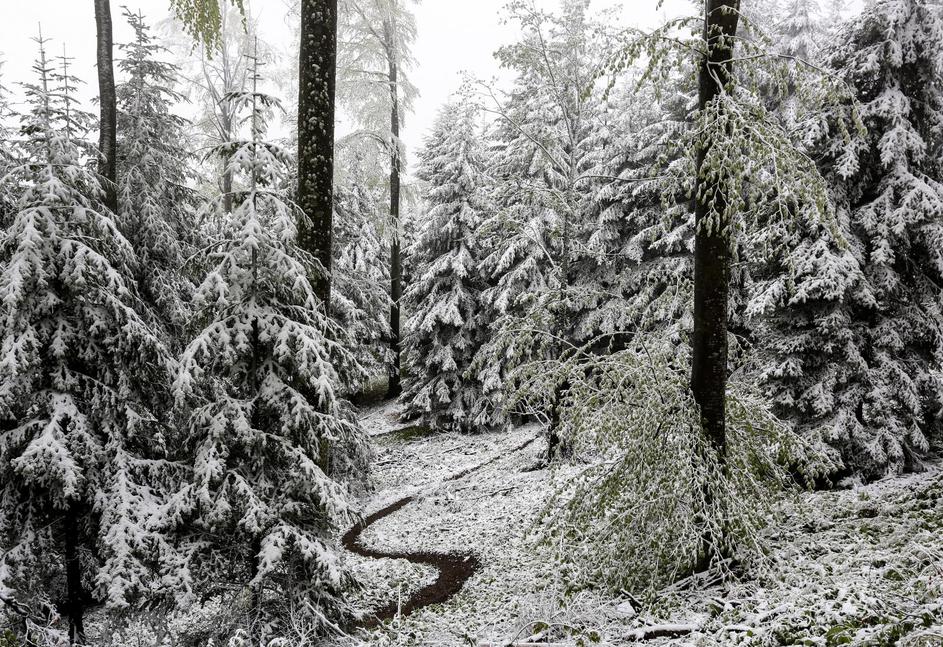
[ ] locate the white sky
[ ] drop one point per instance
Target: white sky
(454, 36)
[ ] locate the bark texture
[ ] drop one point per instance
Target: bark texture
(316, 90)
(75, 593)
(712, 246)
(107, 140)
(396, 268)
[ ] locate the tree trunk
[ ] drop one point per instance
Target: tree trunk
(712, 246)
(75, 594)
(107, 141)
(396, 269)
(316, 89)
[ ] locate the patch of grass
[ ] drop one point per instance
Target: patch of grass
(411, 433)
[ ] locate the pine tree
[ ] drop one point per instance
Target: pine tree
(156, 207)
(269, 436)
(81, 457)
(855, 340)
(798, 28)
(448, 323)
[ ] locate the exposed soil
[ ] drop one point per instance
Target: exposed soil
(454, 569)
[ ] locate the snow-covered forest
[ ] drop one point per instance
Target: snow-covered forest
(642, 345)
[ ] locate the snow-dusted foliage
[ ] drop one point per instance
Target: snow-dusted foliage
(82, 459)
(448, 322)
(373, 36)
(548, 139)
(360, 298)
(855, 340)
(270, 438)
(649, 491)
(156, 209)
(8, 155)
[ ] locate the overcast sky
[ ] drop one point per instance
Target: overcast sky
(454, 36)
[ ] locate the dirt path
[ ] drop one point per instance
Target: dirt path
(454, 568)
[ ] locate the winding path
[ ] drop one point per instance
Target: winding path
(454, 568)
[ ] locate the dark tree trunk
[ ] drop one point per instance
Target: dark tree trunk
(107, 141)
(75, 594)
(318, 72)
(396, 269)
(712, 246)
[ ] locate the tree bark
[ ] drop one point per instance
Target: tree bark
(712, 246)
(75, 593)
(107, 141)
(316, 90)
(396, 269)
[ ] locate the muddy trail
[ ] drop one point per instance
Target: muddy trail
(454, 568)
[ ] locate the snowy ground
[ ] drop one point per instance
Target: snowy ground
(857, 566)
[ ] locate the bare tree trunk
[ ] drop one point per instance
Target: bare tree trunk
(107, 141)
(75, 593)
(396, 269)
(712, 246)
(316, 89)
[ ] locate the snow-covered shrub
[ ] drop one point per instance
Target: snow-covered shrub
(651, 498)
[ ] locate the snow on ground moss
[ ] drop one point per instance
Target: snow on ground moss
(861, 566)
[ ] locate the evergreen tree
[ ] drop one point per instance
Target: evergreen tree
(376, 38)
(855, 340)
(156, 207)
(549, 140)
(269, 436)
(360, 300)
(81, 457)
(448, 322)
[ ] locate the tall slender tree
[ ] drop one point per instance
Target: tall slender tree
(108, 104)
(317, 65)
(377, 35)
(712, 239)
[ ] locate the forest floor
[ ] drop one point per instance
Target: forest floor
(859, 566)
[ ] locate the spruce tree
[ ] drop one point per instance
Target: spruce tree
(81, 457)
(360, 301)
(269, 436)
(156, 208)
(855, 343)
(448, 322)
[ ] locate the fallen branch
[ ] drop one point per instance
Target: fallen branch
(661, 631)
